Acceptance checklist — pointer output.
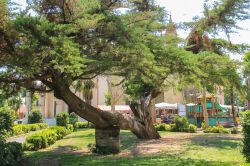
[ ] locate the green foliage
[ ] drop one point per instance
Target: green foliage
(234, 130)
(192, 128)
(173, 128)
(81, 125)
(181, 124)
(10, 153)
(203, 126)
(43, 139)
(162, 127)
(247, 62)
(246, 134)
(73, 118)
(61, 131)
(62, 119)
(7, 117)
(108, 98)
(247, 72)
(25, 128)
(216, 129)
(35, 116)
(70, 127)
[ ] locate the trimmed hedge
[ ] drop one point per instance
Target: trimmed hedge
(181, 124)
(46, 137)
(35, 116)
(25, 128)
(81, 125)
(162, 127)
(172, 127)
(192, 128)
(62, 119)
(216, 129)
(73, 118)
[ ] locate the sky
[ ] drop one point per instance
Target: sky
(185, 10)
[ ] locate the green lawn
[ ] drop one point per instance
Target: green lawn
(192, 149)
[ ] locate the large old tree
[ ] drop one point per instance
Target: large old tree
(66, 41)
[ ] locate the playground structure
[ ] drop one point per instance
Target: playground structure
(217, 114)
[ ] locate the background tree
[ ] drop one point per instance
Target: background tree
(246, 69)
(220, 16)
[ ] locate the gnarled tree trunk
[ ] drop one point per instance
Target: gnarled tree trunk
(108, 124)
(143, 114)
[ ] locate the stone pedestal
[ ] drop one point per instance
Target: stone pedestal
(107, 140)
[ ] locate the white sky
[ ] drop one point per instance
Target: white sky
(185, 10)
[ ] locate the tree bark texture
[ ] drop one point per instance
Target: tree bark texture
(232, 106)
(204, 105)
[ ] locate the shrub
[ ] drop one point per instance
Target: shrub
(42, 125)
(62, 119)
(35, 116)
(181, 123)
(25, 128)
(216, 129)
(50, 136)
(173, 127)
(162, 127)
(73, 118)
(245, 119)
(46, 137)
(192, 128)
(10, 153)
(234, 130)
(61, 131)
(203, 126)
(7, 117)
(70, 128)
(35, 141)
(84, 125)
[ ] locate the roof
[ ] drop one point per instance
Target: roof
(166, 106)
(118, 108)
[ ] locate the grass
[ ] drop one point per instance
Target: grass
(200, 149)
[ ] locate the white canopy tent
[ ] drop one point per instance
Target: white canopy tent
(166, 106)
(191, 104)
(230, 107)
